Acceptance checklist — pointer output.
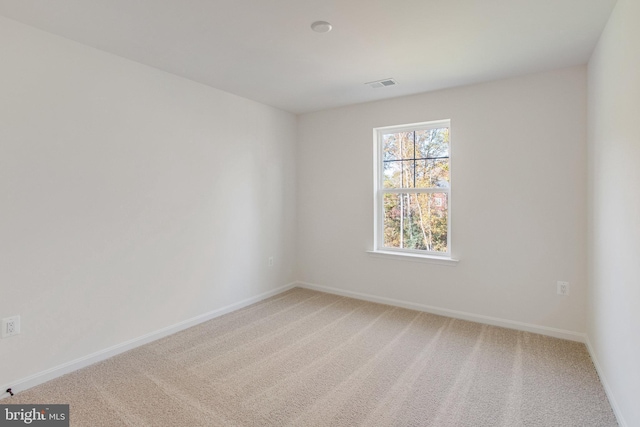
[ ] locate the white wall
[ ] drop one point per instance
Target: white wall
(518, 200)
(130, 199)
(614, 208)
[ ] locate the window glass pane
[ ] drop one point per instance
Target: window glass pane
(407, 173)
(416, 221)
(392, 220)
(398, 174)
(391, 147)
(432, 173)
(398, 146)
(432, 143)
(392, 177)
(407, 145)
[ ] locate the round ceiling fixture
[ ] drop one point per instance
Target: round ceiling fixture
(321, 27)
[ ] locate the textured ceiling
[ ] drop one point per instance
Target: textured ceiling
(265, 50)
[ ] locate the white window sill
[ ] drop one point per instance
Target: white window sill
(431, 259)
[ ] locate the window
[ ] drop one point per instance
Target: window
(413, 189)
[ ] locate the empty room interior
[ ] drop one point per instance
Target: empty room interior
(321, 213)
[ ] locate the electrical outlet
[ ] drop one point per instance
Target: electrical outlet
(10, 326)
(563, 288)
(270, 261)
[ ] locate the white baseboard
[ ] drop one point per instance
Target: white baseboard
(57, 371)
(504, 323)
(605, 384)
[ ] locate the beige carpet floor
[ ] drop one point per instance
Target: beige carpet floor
(305, 358)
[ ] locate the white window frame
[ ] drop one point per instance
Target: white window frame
(379, 191)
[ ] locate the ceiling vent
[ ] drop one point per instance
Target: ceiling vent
(382, 83)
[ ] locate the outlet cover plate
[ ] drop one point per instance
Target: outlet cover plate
(10, 326)
(563, 288)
